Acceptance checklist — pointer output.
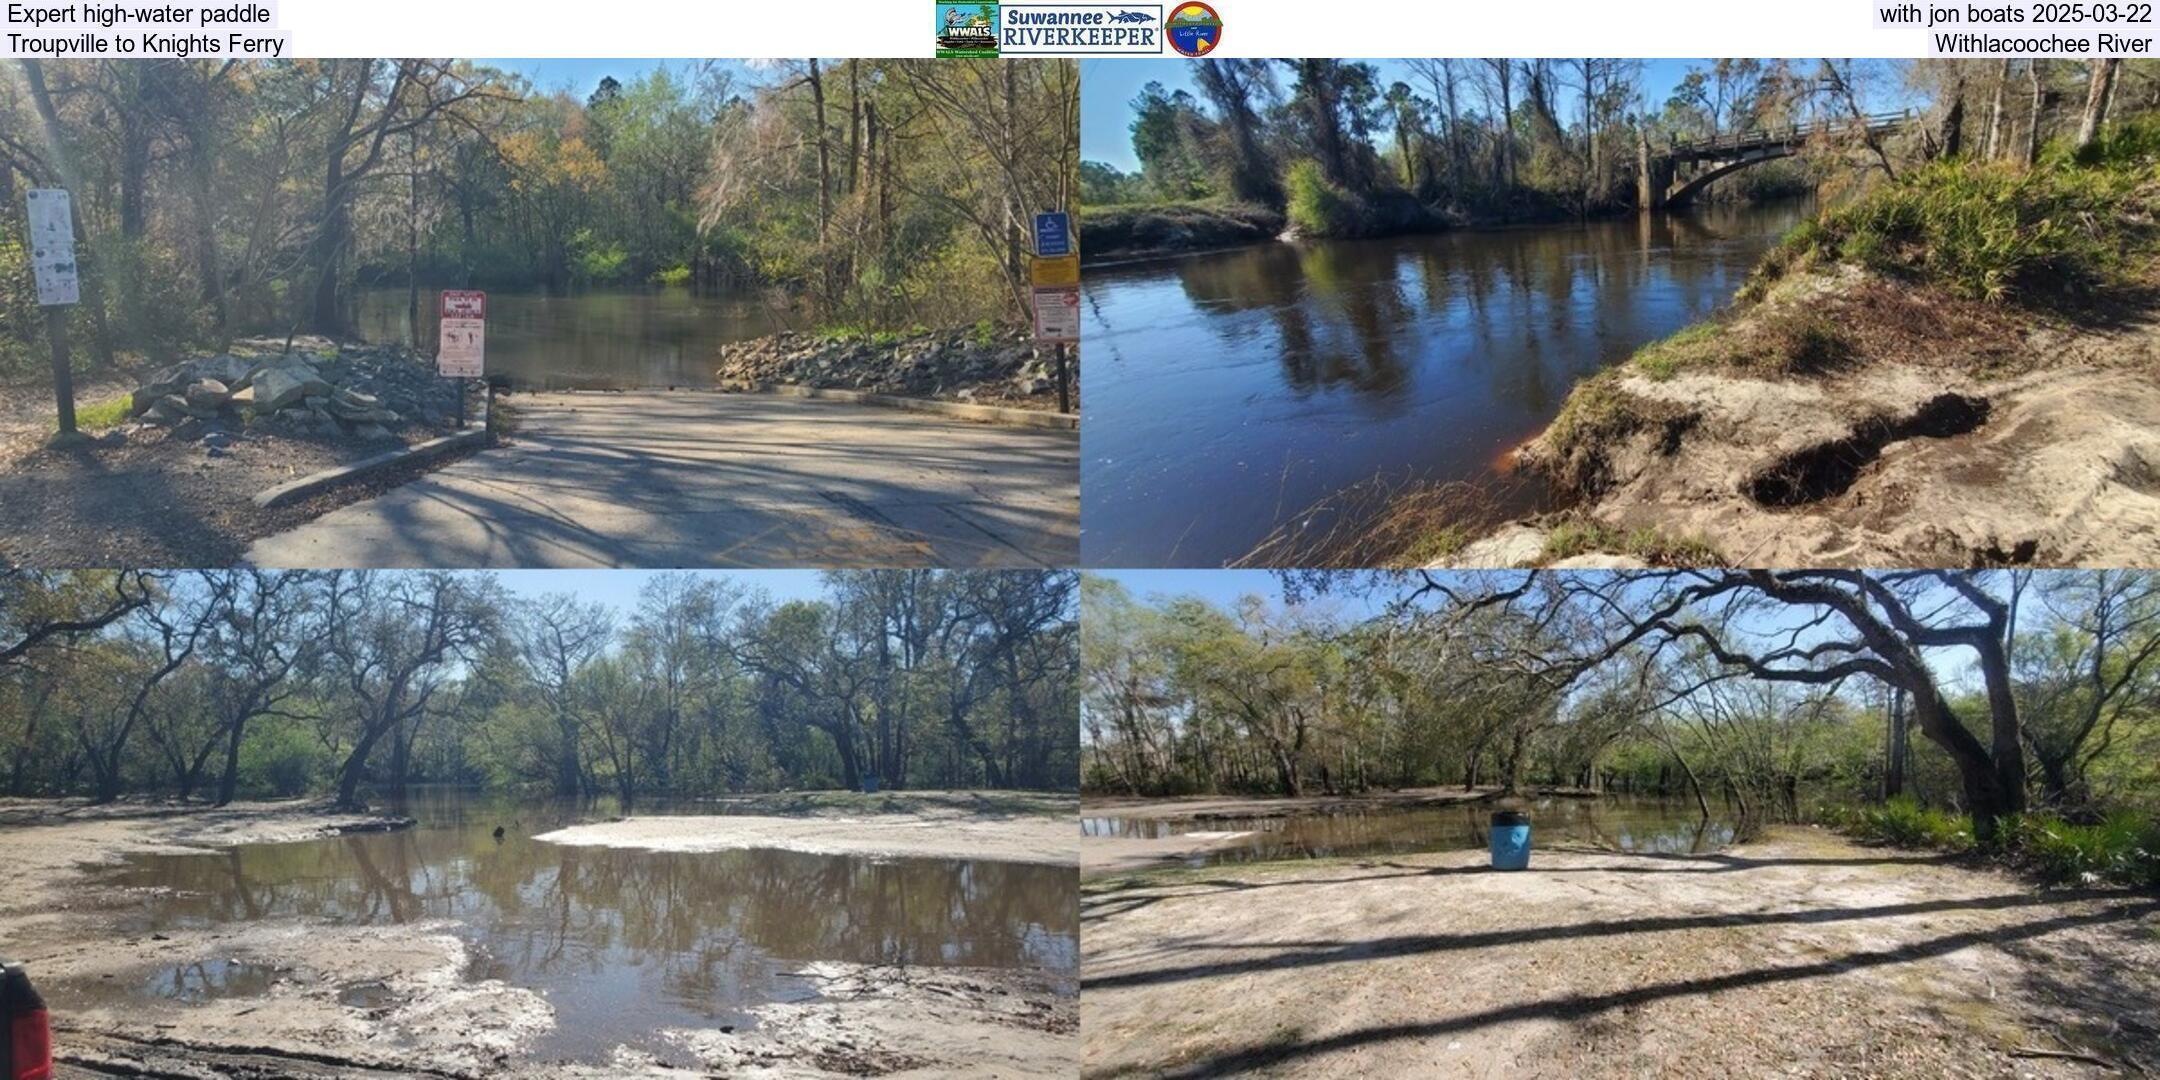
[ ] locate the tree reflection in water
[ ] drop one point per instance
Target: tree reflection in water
(625, 942)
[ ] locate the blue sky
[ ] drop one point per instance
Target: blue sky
(580, 76)
(1108, 86)
(619, 588)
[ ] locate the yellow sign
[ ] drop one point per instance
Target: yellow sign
(1057, 272)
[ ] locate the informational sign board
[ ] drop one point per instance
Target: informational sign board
(461, 349)
(52, 247)
(1057, 314)
(1056, 272)
(1053, 234)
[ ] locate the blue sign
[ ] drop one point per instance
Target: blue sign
(1053, 234)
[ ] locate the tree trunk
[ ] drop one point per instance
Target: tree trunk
(2097, 91)
(1995, 111)
(2039, 99)
(1953, 125)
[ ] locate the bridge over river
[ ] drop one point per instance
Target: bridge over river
(1674, 175)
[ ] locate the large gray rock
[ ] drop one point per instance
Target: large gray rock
(277, 387)
(350, 404)
(171, 380)
(228, 369)
(372, 432)
(208, 394)
(169, 409)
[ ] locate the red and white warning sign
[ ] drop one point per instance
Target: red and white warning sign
(1057, 314)
(461, 350)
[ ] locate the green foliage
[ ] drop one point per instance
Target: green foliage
(1904, 822)
(1320, 207)
(1102, 184)
(2122, 848)
(281, 758)
(1985, 231)
(2132, 143)
(673, 276)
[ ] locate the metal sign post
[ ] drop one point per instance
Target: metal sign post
(1055, 275)
(59, 284)
(461, 344)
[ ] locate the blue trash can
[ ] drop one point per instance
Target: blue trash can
(870, 784)
(1510, 840)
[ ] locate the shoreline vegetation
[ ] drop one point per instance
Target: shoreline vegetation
(218, 201)
(1320, 149)
(1954, 368)
(1984, 900)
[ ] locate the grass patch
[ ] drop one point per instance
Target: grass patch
(1691, 347)
(100, 415)
(1772, 341)
(1578, 536)
(854, 334)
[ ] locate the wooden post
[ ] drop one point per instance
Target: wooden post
(1064, 389)
(63, 379)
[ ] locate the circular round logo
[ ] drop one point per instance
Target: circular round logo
(1194, 29)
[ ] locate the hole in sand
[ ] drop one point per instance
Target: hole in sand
(1827, 469)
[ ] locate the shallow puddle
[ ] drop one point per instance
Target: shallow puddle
(622, 943)
(1618, 823)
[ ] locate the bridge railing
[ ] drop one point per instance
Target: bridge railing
(1790, 133)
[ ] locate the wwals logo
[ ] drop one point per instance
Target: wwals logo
(967, 30)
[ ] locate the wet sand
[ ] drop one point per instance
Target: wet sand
(325, 1000)
(935, 825)
(1802, 954)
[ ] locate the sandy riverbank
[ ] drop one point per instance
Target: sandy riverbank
(931, 825)
(1804, 953)
(318, 1000)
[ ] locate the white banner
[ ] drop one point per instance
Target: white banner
(877, 28)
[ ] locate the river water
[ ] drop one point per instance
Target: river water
(623, 943)
(615, 339)
(1227, 392)
(1615, 822)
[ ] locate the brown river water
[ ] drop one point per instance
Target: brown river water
(621, 942)
(1617, 822)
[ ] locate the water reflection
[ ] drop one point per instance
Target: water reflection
(1226, 392)
(653, 338)
(623, 943)
(1656, 826)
